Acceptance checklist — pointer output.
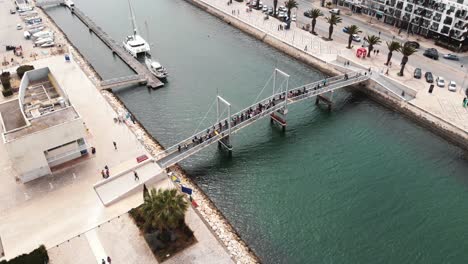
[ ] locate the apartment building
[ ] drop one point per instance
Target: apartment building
(445, 21)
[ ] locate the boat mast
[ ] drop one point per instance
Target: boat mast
(135, 30)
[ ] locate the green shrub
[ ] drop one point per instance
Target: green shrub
(5, 80)
(37, 256)
(22, 69)
(7, 93)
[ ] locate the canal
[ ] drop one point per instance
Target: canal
(361, 184)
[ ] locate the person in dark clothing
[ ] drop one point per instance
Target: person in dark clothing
(136, 176)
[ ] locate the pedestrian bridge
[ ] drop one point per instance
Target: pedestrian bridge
(274, 106)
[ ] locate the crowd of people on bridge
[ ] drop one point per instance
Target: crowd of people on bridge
(251, 112)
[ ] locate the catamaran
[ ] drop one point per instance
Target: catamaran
(135, 44)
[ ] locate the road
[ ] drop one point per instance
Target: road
(450, 70)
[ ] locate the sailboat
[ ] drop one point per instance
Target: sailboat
(135, 44)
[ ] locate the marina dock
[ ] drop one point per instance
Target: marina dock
(143, 75)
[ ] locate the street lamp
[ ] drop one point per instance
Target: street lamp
(463, 84)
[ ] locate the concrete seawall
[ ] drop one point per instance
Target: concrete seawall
(435, 124)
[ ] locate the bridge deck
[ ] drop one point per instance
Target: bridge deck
(140, 69)
(270, 105)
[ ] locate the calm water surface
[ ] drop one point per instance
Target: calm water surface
(361, 184)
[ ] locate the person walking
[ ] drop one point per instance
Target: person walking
(115, 145)
(107, 173)
(135, 174)
(103, 261)
(103, 173)
(378, 52)
(109, 260)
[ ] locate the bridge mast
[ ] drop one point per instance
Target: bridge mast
(279, 117)
(225, 141)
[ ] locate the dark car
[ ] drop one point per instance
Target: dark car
(417, 73)
(431, 53)
(345, 29)
(308, 13)
(429, 77)
(413, 44)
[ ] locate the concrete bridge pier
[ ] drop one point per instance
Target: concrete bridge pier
(328, 101)
(225, 145)
(279, 118)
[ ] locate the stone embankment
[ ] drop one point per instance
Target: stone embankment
(224, 232)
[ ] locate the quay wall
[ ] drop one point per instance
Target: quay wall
(420, 116)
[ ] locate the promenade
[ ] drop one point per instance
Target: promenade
(442, 104)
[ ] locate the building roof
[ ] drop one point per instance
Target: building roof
(41, 104)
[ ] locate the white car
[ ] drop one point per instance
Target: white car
(335, 11)
(282, 14)
(293, 18)
(440, 82)
(265, 9)
(282, 8)
(452, 86)
(356, 38)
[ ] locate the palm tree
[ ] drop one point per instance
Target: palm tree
(333, 20)
(164, 209)
(275, 4)
(372, 40)
(406, 51)
(351, 30)
(315, 13)
(290, 4)
(392, 46)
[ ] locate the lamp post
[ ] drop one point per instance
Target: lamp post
(464, 77)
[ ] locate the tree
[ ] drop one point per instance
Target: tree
(353, 29)
(164, 209)
(392, 46)
(372, 40)
(315, 13)
(275, 4)
(22, 69)
(290, 4)
(333, 20)
(406, 51)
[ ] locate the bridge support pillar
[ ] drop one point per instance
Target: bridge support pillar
(225, 144)
(325, 100)
(279, 118)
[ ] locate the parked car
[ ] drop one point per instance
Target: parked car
(356, 38)
(265, 9)
(345, 29)
(440, 82)
(293, 18)
(452, 86)
(417, 73)
(413, 44)
(308, 13)
(429, 77)
(451, 57)
(282, 8)
(335, 11)
(431, 53)
(12, 11)
(270, 11)
(282, 14)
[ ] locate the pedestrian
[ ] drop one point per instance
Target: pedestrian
(464, 102)
(115, 145)
(386, 73)
(103, 173)
(305, 49)
(379, 33)
(107, 173)
(106, 167)
(375, 52)
(109, 260)
(370, 69)
(136, 176)
(103, 261)
(378, 52)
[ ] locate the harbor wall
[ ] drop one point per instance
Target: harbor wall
(420, 116)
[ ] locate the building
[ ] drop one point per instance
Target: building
(41, 128)
(442, 20)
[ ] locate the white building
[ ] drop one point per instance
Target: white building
(442, 20)
(41, 128)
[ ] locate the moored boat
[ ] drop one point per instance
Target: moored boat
(156, 68)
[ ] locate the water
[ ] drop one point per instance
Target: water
(361, 184)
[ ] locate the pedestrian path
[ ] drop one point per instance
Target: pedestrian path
(96, 246)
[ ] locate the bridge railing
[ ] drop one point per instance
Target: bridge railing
(295, 95)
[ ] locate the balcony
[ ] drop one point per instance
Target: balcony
(437, 17)
(434, 27)
(409, 8)
(399, 5)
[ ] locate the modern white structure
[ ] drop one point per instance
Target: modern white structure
(135, 44)
(443, 20)
(41, 128)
